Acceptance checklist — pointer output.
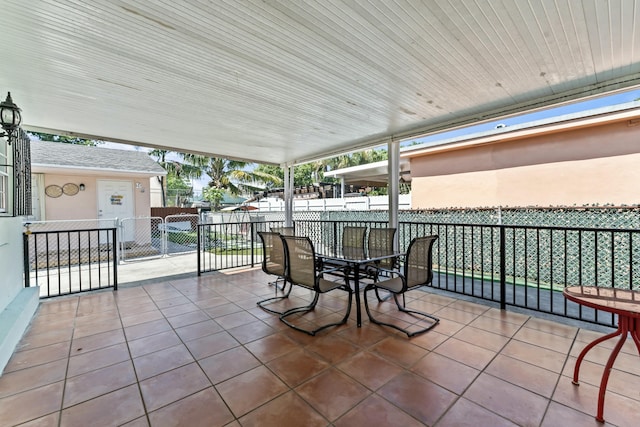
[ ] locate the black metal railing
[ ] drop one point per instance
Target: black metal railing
(70, 261)
(230, 245)
(518, 266)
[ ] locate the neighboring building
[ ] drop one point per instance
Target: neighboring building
(586, 158)
(83, 182)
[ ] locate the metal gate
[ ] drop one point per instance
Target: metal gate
(154, 237)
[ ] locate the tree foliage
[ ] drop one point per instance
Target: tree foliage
(65, 139)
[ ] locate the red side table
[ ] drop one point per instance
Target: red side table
(624, 303)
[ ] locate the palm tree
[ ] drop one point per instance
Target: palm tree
(173, 168)
(233, 176)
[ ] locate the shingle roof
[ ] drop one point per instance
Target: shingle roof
(61, 155)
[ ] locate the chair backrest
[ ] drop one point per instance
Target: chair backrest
(418, 267)
(353, 237)
(301, 258)
(273, 260)
(381, 240)
(285, 231)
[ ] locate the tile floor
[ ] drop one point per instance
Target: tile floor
(199, 352)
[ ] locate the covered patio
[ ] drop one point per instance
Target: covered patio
(286, 83)
(198, 351)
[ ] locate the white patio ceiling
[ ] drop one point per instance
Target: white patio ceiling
(291, 81)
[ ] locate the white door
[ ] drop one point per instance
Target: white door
(115, 200)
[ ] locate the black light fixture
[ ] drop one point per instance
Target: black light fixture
(81, 187)
(10, 117)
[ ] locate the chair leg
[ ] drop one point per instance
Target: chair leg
(403, 309)
(275, 283)
(310, 307)
(262, 303)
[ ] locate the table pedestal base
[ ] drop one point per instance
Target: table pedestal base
(626, 325)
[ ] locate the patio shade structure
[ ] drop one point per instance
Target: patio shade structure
(291, 82)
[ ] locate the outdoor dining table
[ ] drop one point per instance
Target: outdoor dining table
(353, 259)
(623, 302)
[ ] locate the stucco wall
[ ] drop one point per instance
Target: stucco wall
(84, 205)
(582, 166)
(10, 259)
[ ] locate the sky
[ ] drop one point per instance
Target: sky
(619, 98)
(615, 99)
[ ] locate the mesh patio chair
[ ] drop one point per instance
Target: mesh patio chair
(285, 231)
(273, 262)
(353, 240)
(380, 241)
(353, 237)
(302, 271)
(418, 271)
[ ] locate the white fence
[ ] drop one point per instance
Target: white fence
(347, 203)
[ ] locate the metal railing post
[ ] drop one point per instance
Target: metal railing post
(115, 259)
(503, 267)
(25, 247)
(199, 237)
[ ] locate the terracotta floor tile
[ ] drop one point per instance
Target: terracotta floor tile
(251, 331)
(296, 367)
(198, 330)
(530, 377)
(370, 370)
(482, 338)
(50, 420)
(37, 356)
(202, 409)
(429, 340)
(228, 364)
(153, 343)
(463, 352)
(30, 378)
(560, 415)
(97, 359)
(114, 408)
(399, 350)
(534, 355)
(551, 327)
(188, 318)
(544, 339)
(138, 318)
(222, 310)
(162, 361)
(172, 386)
(31, 404)
(247, 391)
(496, 326)
(511, 402)
(97, 341)
(333, 348)
(365, 336)
(422, 399)
(271, 347)
(332, 393)
(446, 372)
(95, 383)
(138, 422)
(30, 341)
(172, 302)
(146, 329)
(288, 410)
(235, 319)
(211, 344)
(176, 310)
(375, 411)
(256, 361)
(456, 315)
(465, 413)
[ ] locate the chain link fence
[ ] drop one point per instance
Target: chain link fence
(141, 238)
(180, 233)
